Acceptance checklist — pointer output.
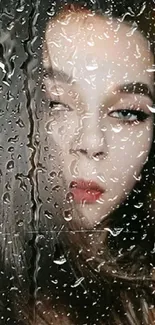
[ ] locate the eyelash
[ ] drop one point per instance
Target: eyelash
(54, 104)
(140, 116)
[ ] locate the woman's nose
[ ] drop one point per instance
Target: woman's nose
(98, 155)
(91, 141)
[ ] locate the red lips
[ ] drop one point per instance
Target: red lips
(85, 191)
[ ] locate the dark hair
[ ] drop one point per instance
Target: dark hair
(58, 271)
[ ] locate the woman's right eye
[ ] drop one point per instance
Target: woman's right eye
(59, 107)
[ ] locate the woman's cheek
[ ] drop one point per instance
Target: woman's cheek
(63, 133)
(133, 144)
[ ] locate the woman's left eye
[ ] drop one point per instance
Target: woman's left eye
(130, 116)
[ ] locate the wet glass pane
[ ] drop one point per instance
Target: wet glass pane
(77, 162)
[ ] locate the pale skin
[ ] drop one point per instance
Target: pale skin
(103, 134)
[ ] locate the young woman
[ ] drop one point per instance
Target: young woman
(92, 248)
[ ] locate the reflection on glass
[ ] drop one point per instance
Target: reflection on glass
(78, 181)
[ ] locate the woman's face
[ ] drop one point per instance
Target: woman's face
(100, 86)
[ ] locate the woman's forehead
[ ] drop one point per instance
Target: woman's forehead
(84, 39)
(87, 22)
(93, 32)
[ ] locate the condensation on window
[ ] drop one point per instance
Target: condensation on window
(77, 162)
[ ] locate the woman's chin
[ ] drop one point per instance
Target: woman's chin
(91, 215)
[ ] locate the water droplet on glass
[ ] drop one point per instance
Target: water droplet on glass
(106, 35)
(20, 7)
(90, 26)
(20, 123)
(52, 174)
(67, 215)
(14, 139)
(142, 8)
(58, 91)
(56, 205)
(134, 217)
(49, 125)
(117, 129)
(151, 108)
(141, 154)
(65, 21)
(152, 69)
(1, 112)
(60, 261)
(20, 223)
(48, 215)
(133, 29)
(37, 138)
(10, 26)
(10, 165)
(51, 157)
(114, 179)
(23, 186)
(6, 198)
(73, 168)
(54, 281)
(77, 282)
(91, 63)
(69, 197)
(114, 232)
(60, 174)
(51, 11)
(10, 149)
(13, 289)
(56, 188)
(92, 66)
(90, 41)
(8, 186)
(137, 178)
(46, 148)
(139, 205)
(138, 53)
(101, 178)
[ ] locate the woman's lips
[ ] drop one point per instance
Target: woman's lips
(85, 191)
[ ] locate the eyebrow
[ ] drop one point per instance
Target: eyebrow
(137, 88)
(129, 88)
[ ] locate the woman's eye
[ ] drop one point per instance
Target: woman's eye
(59, 107)
(128, 115)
